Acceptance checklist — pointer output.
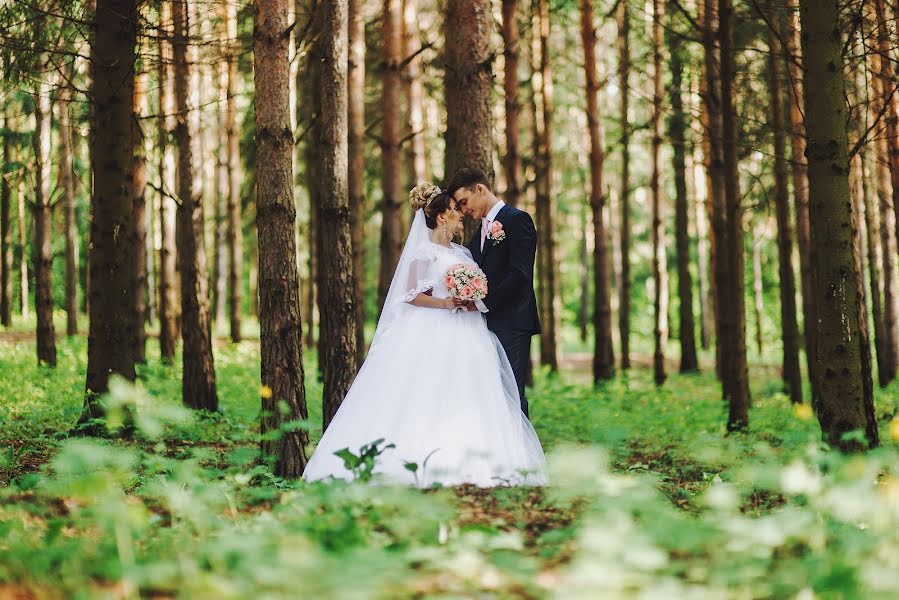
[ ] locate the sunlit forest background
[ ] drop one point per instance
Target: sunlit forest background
(202, 205)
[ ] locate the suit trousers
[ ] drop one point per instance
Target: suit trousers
(517, 344)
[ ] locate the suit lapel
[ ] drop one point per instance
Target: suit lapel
(488, 243)
(475, 247)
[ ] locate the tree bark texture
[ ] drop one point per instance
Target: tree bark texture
(198, 380)
(736, 380)
(111, 257)
(677, 134)
(337, 292)
(66, 171)
(603, 362)
(356, 149)
(792, 375)
(624, 194)
(42, 249)
(279, 301)
(843, 378)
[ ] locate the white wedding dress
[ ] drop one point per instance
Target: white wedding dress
(438, 386)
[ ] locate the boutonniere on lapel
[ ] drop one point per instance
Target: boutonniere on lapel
(496, 234)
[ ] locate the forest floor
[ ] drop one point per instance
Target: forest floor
(649, 498)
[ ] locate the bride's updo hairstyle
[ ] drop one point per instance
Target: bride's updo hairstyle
(431, 200)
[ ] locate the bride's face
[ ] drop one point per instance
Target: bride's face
(453, 219)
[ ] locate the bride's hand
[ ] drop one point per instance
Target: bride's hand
(449, 303)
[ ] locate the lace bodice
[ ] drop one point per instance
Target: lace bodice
(429, 267)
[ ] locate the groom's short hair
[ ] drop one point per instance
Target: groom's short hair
(467, 177)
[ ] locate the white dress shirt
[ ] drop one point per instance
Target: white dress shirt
(486, 221)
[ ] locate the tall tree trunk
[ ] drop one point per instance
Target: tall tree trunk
(279, 301)
(843, 378)
(391, 156)
(168, 304)
(737, 376)
(232, 164)
(792, 375)
(111, 258)
(546, 260)
(198, 379)
(21, 214)
(415, 150)
(5, 224)
(758, 288)
(703, 248)
(890, 346)
(67, 183)
(220, 195)
(713, 150)
(872, 227)
(800, 189)
(511, 51)
(468, 90)
(677, 133)
(603, 363)
(338, 310)
(888, 174)
(659, 259)
(139, 222)
(624, 287)
(42, 251)
(356, 178)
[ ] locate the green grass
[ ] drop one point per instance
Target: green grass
(649, 497)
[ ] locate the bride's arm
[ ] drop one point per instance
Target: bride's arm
(428, 301)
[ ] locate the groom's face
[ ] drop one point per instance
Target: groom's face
(472, 202)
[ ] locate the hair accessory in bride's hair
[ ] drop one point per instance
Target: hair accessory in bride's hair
(422, 194)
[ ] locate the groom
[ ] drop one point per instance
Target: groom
(504, 248)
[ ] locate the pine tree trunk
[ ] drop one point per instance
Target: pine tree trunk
(713, 150)
(890, 346)
(234, 217)
(843, 377)
(888, 175)
(468, 90)
(6, 225)
(67, 183)
(279, 302)
(800, 189)
(42, 251)
(169, 331)
(703, 251)
(198, 379)
(659, 259)
(792, 375)
(677, 134)
(624, 287)
(872, 228)
(338, 310)
(416, 149)
(737, 376)
(356, 178)
(220, 195)
(603, 363)
(543, 186)
(511, 51)
(21, 214)
(139, 222)
(391, 153)
(232, 164)
(758, 288)
(111, 258)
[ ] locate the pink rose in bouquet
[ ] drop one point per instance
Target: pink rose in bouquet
(466, 282)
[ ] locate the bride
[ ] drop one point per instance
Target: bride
(436, 384)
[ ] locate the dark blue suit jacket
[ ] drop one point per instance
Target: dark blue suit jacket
(509, 267)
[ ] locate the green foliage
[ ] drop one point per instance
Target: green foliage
(649, 498)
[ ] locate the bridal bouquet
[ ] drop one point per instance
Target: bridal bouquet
(466, 282)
